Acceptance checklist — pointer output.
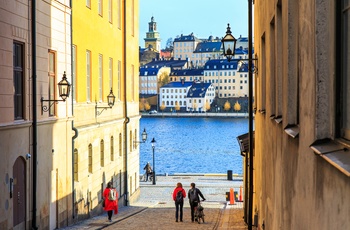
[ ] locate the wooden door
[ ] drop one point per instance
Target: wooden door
(19, 192)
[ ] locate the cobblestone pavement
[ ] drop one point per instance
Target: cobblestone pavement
(156, 210)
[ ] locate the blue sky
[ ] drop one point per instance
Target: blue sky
(202, 17)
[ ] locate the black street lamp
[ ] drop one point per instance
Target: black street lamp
(153, 142)
(229, 44)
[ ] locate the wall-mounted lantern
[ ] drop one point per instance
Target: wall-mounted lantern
(63, 90)
(110, 100)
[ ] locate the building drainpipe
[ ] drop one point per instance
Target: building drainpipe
(251, 142)
(72, 93)
(127, 120)
(35, 128)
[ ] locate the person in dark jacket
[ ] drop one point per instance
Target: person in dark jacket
(148, 170)
(110, 205)
(193, 196)
(179, 200)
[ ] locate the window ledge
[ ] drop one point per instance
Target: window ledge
(278, 119)
(272, 116)
(292, 130)
(337, 154)
(262, 111)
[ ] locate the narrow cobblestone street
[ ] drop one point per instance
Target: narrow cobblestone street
(155, 208)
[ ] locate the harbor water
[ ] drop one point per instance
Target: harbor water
(193, 145)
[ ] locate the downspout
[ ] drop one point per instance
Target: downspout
(72, 93)
(251, 143)
(127, 120)
(35, 153)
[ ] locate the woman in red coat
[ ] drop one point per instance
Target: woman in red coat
(110, 205)
(178, 196)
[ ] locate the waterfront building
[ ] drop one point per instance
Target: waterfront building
(301, 165)
(105, 60)
(205, 51)
(200, 97)
(192, 96)
(149, 79)
(154, 75)
(155, 71)
(242, 43)
(174, 93)
(230, 79)
(186, 74)
(184, 46)
(35, 145)
(152, 39)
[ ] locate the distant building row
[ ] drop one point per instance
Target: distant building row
(186, 47)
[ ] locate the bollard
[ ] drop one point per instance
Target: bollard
(229, 174)
(236, 196)
(240, 194)
(232, 199)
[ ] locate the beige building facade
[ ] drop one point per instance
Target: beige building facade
(301, 163)
(59, 155)
(35, 145)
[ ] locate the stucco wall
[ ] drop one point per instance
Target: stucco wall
(294, 188)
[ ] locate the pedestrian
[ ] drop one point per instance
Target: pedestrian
(148, 170)
(178, 196)
(110, 196)
(193, 196)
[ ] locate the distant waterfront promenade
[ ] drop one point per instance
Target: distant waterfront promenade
(173, 114)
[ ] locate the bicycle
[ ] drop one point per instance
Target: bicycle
(199, 213)
(144, 176)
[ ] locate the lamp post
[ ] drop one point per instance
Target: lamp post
(153, 142)
(228, 43)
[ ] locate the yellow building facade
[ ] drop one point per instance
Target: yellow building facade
(105, 60)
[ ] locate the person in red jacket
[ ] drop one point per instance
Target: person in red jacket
(111, 204)
(178, 196)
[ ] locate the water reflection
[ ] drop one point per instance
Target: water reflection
(193, 145)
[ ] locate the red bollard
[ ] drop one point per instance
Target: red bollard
(232, 199)
(240, 194)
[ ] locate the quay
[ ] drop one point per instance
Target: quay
(155, 208)
(182, 114)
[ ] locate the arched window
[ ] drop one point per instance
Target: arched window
(90, 158)
(135, 135)
(130, 141)
(76, 168)
(112, 148)
(102, 153)
(120, 144)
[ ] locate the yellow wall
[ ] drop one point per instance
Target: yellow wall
(102, 37)
(95, 33)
